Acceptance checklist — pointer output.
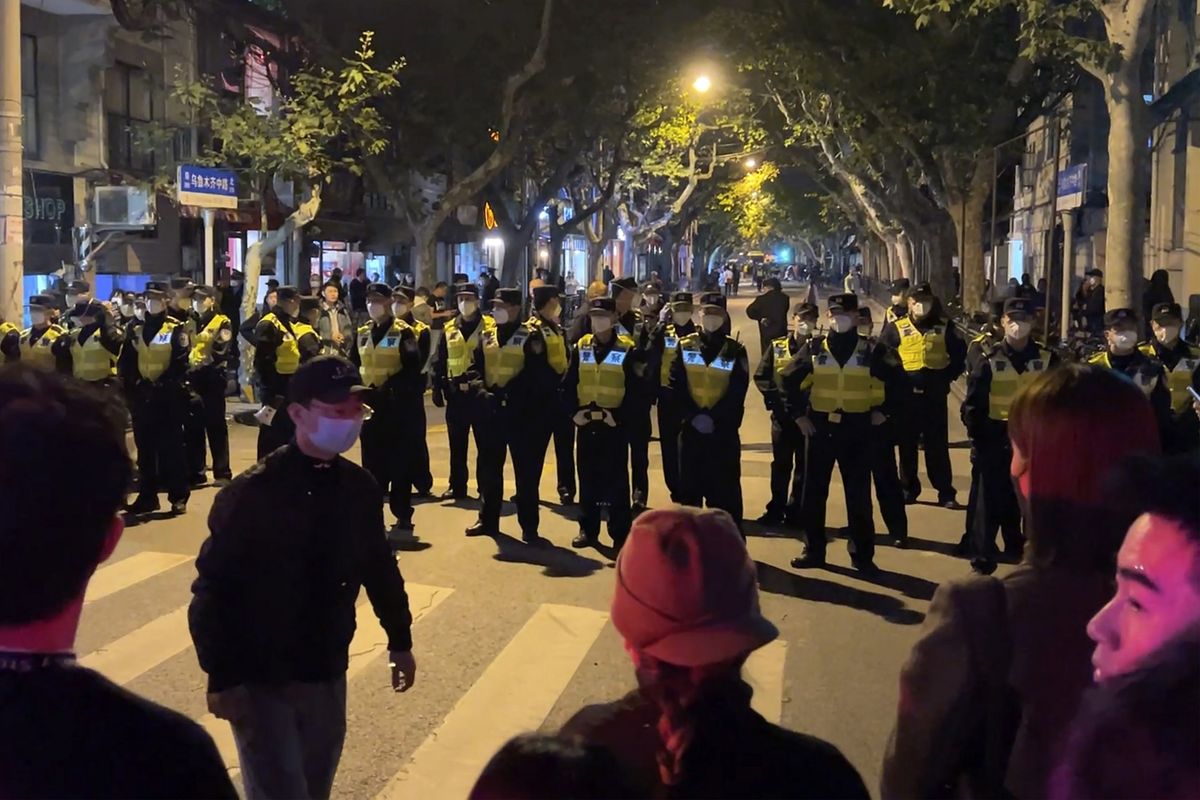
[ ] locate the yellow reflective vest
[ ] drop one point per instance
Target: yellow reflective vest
(1007, 382)
(459, 348)
(556, 344)
(502, 363)
(670, 350)
(1180, 378)
(154, 357)
(849, 388)
(38, 353)
(381, 361)
(603, 382)
(707, 381)
(1144, 378)
(90, 360)
(890, 315)
(201, 354)
(287, 355)
(781, 357)
(922, 349)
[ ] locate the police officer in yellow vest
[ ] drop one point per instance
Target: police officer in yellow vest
(835, 385)
(78, 292)
(1182, 363)
(599, 389)
(664, 345)
(208, 375)
(90, 348)
(456, 381)
(1122, 354)
(403, 298)
(933, 355)
(10, 342)
(900, 289)
(37, 341)
(709, 379)
(884, 474)
(388, 353)
(788, 451)
(282, 343)
(992, 385)
(499, 359)
(153, 367)
(179, 302)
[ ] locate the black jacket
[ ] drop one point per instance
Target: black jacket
(771, 311)
(280, 572)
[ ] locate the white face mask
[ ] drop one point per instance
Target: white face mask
(38, 318)
(1017, 331)
(920, 309)
(467, 307)
(155, 307)
(126, 310)
(400, 309)
(1167, 333)
(139, 312)
(681, 317)
(500, 315)
(1123, 341)
(842, 323)
(712, 322)
(73, 300)
(653, 301)
(336, 435)
(897, 299)
(377, 310)
(804, 328)
(199, 306)
(601, 324)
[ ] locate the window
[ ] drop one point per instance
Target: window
(129, 110)
(30, 129)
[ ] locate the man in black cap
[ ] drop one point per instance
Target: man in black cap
(282, 343)
(770, 310)
(455, 382)
(499, 358)
(664, 347)
(35, 344)
(899, 295)
(992, 385)
(1088, 305)
(709, 379)
(179, 305)
(153, 369)
(789, 452)
(884, 474)
(1122, 354)
(933, 355)
(78, 291)
(208, 375)
(630, 323)
(414, 419)
(1182, 364)
(599, 391)
(90, 347)
(388, 352)
(836, 386)
(292, 540)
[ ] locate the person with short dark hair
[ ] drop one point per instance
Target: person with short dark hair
(65, 731)
(334, 326)
(770, 310)
(1181, 361)
(1088, 306)
(537, 767)
(212, 353)
(273, 606)
(283, 342)
(1122, 355)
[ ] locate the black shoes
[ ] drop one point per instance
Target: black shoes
(770, 518)
(949, 501)
(809, 560)
(479, 529)
(566, 498)
(178, 507)
(582, 540)
(910, 498)
(453, 494)
(198, 480)
(144, 504)
(864, 565)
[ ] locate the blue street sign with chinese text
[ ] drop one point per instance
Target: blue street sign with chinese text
(206, 187)
(1072, 185)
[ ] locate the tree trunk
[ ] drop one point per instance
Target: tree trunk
(425, 252)
(941, 249)
(514, 246)
(902, 247)
(557, 236)
(1128, 167)
(968, 224)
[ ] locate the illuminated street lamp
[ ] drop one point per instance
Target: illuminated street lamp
(750, 163)
(702, 83)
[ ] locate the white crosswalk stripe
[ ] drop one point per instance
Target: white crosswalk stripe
(113, 578)
(142, 650)
(763, 670)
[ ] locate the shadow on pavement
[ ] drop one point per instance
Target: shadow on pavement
(133, 521)
(751, 528)
(756, 447)
(908, 585)
(558, 562)
(932, 546)
(804, 587)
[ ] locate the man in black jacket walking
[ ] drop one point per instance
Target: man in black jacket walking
(770, 310)
(272, 612)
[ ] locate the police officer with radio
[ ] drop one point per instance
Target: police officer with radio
(664, 346)
(884, 474)
(36, 343)
(1181, 361)
(403, 299)
(208, 375)
(836, 384)
(631, 324)
(179, 302)
(992, 385)
(789, 451)
(282, 343)
(78, 292)
(89, 349)
(900, 289)
(1121, 353)
(933, 355)
(455, 383)
(709, 379)
(599, 389)
(153, 368)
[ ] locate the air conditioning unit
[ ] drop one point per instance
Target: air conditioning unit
(124, 208)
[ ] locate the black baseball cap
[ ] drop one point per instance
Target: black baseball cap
(603, 304)
(1166, 311)
(901, 285)
(1120, 316)
(328, 378)
(711, 299)
(843, 302)
(543, 295)
(78, 287)
(806, 310)
(379, 290)
(1094, 273)
(922, 290)
(286, 293)
(509, 296)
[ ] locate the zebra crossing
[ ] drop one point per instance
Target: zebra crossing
(515, 692)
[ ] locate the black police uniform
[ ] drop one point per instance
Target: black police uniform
(1146, 371)
(638, 428)
(208, 376)
(103, 332)
(275, 330)
(158, 404)
(415, 418)
(664, 346)
(789, 451)
(455, 385)
(885, 475)
(1181, 362)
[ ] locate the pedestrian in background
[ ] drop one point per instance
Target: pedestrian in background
(770, 311)
(537, 766)
(276, 658)
(334, 326)
(358, 298)
(994, 653)
(1088, 306)
(686, 604)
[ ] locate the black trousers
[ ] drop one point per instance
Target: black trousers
(159, 412)
(280, 431)
(528, 442)
(206, 420)
(604, 480)
(564, 454)
(639, 432)
(788, 460)
(887, 481)
(710, 470)
(492, 439)
(924, 420)
(848, 444)
(422, 476)
(996, 505)
(462, 421)
(668, 439)
(391, 442)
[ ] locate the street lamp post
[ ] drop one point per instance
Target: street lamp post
(702, 83)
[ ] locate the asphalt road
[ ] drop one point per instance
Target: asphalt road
(511, 638)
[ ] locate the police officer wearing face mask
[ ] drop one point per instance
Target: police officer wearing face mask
(632, 324)
(599, 391)
(933, 355)
(664, 348)
(900, 289)
(90, 347)
(283, 341)
(123, 308)
(389, 353)
(993, 383)
(77, 292)
(836, 385)
(35, 343)
(455, 382)
(1182, 363)
(208, 372)
(1122, 354)
(179, 307)
(403, 302)
(153, 368)
(709, 379)
(788, 450)
(884, 474)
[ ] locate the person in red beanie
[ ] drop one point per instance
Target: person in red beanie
(686, 603)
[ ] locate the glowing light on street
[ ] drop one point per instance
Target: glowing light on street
(751, 163)
(493, 242)
(702, 84)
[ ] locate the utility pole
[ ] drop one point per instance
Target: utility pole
(12, 211)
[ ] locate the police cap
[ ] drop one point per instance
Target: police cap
(78, 287)
(806, 311)
(156, 286)
(606, 304)
(41, 301)
(543, 295)
(682, 299)
(402, 291)
(650, 287)
(466, 288)
(182, 285)
(712, 300)
(901, 285)
(1021, 307)
(1120, 316)
(309, 302)
(286, 293)
(205, 291)
(509, 296)
(381, 290)
(88, 308)
(155, 294)
(843, 302)
(1163, 312)
(922, 290)
(625, 284)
